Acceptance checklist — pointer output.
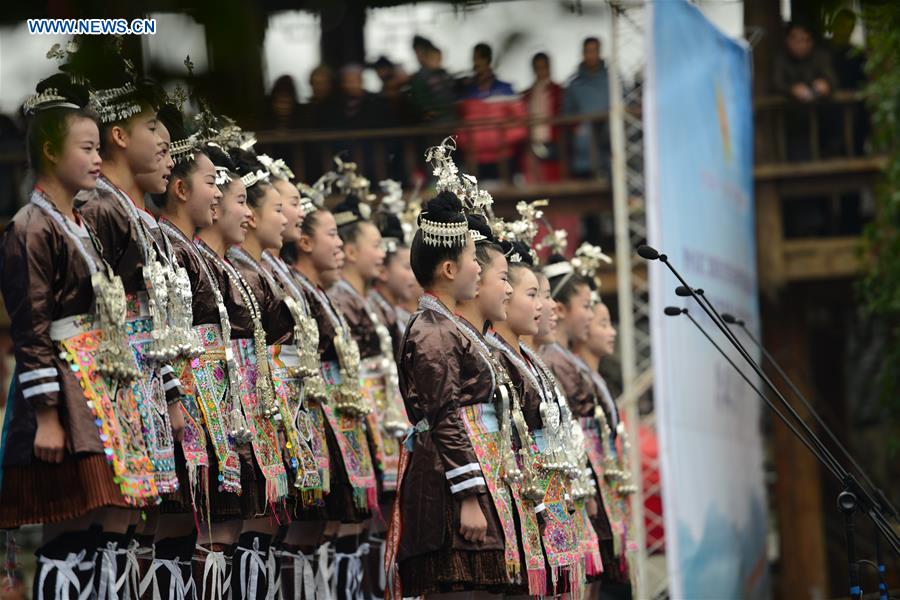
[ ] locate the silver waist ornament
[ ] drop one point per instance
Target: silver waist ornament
(237, 423)
(264, 390)
(306, 332)
(394, 425)
(349, 399)
(181, 307)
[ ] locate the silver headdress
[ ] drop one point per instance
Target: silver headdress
(222, 176)
(252, 178)
(448, 235)
(587, 263)
(277, 168)
(449, 179)
(49, 98)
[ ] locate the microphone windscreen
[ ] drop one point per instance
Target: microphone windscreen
(647, 252)
(672, 311)
(729, 318)
(682, 291)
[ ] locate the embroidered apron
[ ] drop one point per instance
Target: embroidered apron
(351, 438)
(210, 377)
(264, 437)
(148, 395)
(283, 360)
(118, 423)
(387, 448)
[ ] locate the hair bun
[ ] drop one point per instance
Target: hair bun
(518, 252)
(218, 156)
(173, 119)
(479, 224)
(245, 161)
(446, 207)
(390, 226)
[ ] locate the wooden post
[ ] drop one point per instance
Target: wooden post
(797, 490)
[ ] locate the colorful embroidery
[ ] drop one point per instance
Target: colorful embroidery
(264, 437)
(561, 542)
(484, 432)
(387, 448)
(611, 501)
(148, 394)
(211, 384)
(194, 443)
(303, 462)
(353, 444)
(588, 543)
(120, 432)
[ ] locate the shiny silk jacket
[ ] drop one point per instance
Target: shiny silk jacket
(440, 371)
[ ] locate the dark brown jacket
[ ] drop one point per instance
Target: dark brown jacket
(356, 313)
(441, 371)
(43, 277)
(276, 318)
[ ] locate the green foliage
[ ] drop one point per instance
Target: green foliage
(881, 283)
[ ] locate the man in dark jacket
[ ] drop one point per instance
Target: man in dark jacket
(588, 92)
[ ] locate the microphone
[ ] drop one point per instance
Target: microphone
(799, 427)
(649, 253)
(674, 311)
(731, 319)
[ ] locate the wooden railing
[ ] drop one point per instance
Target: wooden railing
(791, 131)
(383, 153)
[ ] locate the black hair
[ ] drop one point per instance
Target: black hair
(564, 287)
(591, 40)
(487, 247)
(422, 42)
(391, 229)
(51, 125)
(172, 118)
(245, 162)
(540, 56)
(284, 84)
(484, 51)
(349, 232)
(792, 25)
(425, 258)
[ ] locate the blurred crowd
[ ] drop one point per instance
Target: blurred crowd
(433, 96)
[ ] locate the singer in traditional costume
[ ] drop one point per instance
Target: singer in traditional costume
(69, 449)
(543, 428)
(598, 415)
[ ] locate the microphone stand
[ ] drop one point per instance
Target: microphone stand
(846, 499)
(729, 319)
(847, 503)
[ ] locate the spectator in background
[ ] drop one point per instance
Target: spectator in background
(358, 108)
(543, 100)
(431, 87)
(850, 73)
(803, 71)
(486, 98)
(484, 83)
(393, 95)
(322, 106)
(421, 47)
(588, 92)
(849, 61)
(284, 108)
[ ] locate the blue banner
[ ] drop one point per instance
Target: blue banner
(699, 157)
